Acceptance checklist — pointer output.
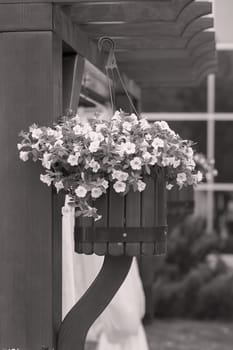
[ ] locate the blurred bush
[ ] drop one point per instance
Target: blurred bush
(192, 281)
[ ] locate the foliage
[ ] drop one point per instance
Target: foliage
(192, 281)
(83, 157)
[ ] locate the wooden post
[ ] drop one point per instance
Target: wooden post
(30, 226)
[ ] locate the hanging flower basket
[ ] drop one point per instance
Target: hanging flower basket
(115, 173)
(134, 224)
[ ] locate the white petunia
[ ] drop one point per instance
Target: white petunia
(46, 162)
(96, 192)
(81, 191)
(127, 126)
(144, 124)
(141, 185)
(96, 136)
(154, 160)
(176, 163)
(46, 179)
(36, 133)
(181, 178)
(58, 134)
(99, 127)
(94, 146)
(19, 146)
(136, 163)
(157, 142)
(190, 164)
(133, 119)
(94, 165)
(117, 116)
(168, 161)
(146, 156)
(129, 147)
(73, 159)
(189, 152)
(169, 187)
(50, 132)
(58, 143)
(119, 175)
(59, 185)
(163, 125)
(119, 187)
(105, 183)
(23, 156)
(77, 129)
(144, 146)
(148, 137)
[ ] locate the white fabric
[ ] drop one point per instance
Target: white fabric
(119, 327)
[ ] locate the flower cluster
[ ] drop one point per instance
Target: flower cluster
(85, 157)
(205, 166)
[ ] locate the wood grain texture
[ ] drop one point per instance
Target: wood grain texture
(20, 17)
(30, 293)
(76, 324)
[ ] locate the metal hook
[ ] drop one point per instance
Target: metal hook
(104, 39)
(111, 61)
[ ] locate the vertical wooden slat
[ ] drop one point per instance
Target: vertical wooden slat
(148, 211)
(30, 284)
(161, 202)
(116, 219)
(73, 67)
(102, 206)
(133, 219)
(85, 247)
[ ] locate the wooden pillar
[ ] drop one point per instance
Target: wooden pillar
(30, 226)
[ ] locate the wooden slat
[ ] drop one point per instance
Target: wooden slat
(85, 247)
(142, 11)
(73, 68)
(133, 219)
(25, 17)
(102, 206)
(30, 228)
(148, 212)
(122, 12)
(130, 29)
(175, 56)
(65, 2)
(190, 13)
(162, 42)
(116, 219)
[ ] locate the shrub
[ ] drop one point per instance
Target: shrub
(192, 279)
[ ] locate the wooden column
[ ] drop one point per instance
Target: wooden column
(30, 226)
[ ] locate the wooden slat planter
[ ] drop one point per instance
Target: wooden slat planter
(131, 225)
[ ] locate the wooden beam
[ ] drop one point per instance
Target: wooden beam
(23, 17)
(183, 2)
(154, 56)
(142, 11)
(30, 227)
(80, 43)
(148, 29)
(77, 39)
(85, 12)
